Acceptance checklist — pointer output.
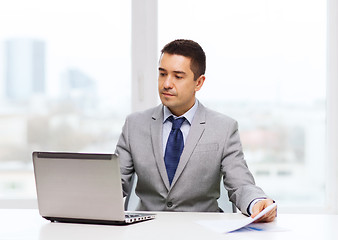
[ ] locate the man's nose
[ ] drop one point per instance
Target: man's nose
(168, 82)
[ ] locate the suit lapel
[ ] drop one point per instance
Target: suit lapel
(195, 133)
(157, 143)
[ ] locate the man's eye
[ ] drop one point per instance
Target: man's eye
(162, 74)
(178, 77)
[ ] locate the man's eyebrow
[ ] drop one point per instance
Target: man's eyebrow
(179, 72)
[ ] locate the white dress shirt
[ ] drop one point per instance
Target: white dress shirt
(185, 128)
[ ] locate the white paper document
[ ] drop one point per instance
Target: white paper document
(225, 226)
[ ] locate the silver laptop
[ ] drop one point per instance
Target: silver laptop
(81, 188)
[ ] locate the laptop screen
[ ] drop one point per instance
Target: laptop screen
(78, 185)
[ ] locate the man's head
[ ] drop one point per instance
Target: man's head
(181, 75)
(189, 49)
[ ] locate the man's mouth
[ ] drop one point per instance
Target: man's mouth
(167, 94)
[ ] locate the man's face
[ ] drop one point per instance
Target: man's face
(176, 84)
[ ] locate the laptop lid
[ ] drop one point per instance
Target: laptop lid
(79, 187)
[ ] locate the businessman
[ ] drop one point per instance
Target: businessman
(180, 150)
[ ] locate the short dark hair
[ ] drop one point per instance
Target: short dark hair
(190, 49)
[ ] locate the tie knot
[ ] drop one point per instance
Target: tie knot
(177, 123)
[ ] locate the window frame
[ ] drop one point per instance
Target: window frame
(332, 108)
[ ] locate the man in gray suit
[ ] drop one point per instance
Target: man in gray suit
(179, 167)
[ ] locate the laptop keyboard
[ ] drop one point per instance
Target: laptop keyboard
(132, 215)
(130, 218)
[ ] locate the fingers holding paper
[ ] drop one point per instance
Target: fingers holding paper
(260, 206)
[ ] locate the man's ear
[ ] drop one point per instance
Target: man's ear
(199, 82)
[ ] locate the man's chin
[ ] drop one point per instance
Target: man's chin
(168, 104)
(167, 101)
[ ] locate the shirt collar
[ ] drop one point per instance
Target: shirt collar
(189, 115)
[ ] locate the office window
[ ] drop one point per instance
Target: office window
(64, 80)
(266, 67)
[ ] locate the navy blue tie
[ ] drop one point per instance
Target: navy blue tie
(174, 147)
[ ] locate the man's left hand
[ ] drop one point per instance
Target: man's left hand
(259, 206)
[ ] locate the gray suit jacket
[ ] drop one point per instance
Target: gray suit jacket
(212, 150)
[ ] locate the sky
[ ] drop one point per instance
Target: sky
(260, 50)
(93, 36)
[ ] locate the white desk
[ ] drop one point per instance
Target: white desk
(28, 225)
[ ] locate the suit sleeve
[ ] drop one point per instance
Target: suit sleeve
(238, 180)
(126, 160)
